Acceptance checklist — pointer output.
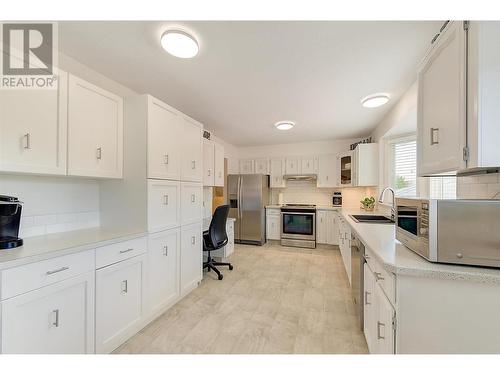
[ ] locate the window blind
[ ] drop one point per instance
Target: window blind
(404, 174)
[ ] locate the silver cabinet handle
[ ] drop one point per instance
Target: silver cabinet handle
(366, 298)
(193, 164)
(193, 240)
(27, 138)
(379, 335)
(327, 177)
(55, 323)
(209, 172)
(434, 136)
(378, 276)
(124, 286)
(165, 199)
(125, 251)
(165, 159)
(99, 153)
(192, 198)
(165, 247)
(367, 257)
(56, 271)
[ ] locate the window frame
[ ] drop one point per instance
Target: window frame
(389, 158)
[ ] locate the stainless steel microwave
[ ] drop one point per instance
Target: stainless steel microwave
(459, 231)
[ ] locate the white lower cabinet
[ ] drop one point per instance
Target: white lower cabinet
(327, 227)
(163, 269)
(191, 203)
(273, 224)
(321, 227)
(56, 319)
(119, 302)
(191, 257)
(163, 205)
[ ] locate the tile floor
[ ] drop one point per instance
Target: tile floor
(276, 300)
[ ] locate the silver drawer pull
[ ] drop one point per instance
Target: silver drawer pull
(209, 172)
(56, 271)
(27, 138)
(193, 240)
(99, 153)
(55, 323)
(379, 335)
(366, 298)
(166, 250)
(165, 158)
(125, 286)
(378, 276)
(192, 198)
(165, 199)
(193, 164)
(126, 251)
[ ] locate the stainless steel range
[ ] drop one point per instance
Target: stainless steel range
(298, 225)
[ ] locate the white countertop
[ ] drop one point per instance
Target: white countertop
(48, 246)
(396, 258)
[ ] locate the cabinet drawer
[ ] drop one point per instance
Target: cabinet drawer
(117, 252)
(273, 212)
(163, 205)
(191, 203)
(385, 279)
(32, 276)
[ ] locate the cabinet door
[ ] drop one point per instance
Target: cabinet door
(191, 203)
(119, 303)
(163, 269)
(309, 164)
(277, 171)
(384, 323)
(33, 129)
(95, 131)
(321, 227)
(229, 248)
(262, 166)
(56, 319)
(292, 165)
(208, 163)
(192, 149)
(441, 104)
(163, 205)
(219, 165)
(191, 257)
(164, 148)
(331, 228)
(327, 171)
(369, 311)
(273, 227)
(345, 165)
(247, 166)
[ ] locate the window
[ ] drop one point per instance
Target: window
(402, 166)
(443, 187)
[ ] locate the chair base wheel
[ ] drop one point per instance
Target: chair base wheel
(230, 267)
(221, 277)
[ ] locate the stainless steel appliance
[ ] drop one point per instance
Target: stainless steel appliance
(357, 277)
(10, 218)
(455, 231)
(337, 199)
(298, 225)
(248, 195)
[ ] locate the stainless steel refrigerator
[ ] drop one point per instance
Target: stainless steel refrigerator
(248, 196)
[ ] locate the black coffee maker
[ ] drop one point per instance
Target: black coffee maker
(10, 218)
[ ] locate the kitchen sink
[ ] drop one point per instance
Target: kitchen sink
(375, 219)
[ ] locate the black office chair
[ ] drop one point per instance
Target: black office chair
(215, 238)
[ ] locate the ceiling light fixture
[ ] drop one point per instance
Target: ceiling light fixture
(179, 44)
(284, 125)
(374, 100)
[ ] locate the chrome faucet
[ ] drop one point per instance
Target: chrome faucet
(393, 208)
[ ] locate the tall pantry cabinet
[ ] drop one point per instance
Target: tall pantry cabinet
(161, 191)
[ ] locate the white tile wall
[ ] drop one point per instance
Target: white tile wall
(46, 224)
(479, 187)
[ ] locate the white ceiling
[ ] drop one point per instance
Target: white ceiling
(249, 75)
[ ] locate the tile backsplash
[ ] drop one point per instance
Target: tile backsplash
(53, 223)
(479, 187)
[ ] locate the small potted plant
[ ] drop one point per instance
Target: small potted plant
(368, 204)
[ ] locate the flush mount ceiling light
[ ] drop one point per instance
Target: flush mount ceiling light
(284, 125)
(375, 100)
(179, 44)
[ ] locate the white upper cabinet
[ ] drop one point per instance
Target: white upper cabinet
(33, 129)
(164, 199)
(218, 165)
(309, 164)
(441, 110)
(277, 172)
(95, 131)
(208, 163)
(247, 166)
(345, 166)
(365, 162)
(262, 166)
(164, 148)
(191, 202)
(327, 171)
(191, 150)
(292, 165)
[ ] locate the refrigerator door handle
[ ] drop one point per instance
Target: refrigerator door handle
(240, 196)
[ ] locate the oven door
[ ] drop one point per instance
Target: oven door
(407, 220)
(298, 225)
